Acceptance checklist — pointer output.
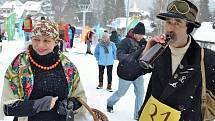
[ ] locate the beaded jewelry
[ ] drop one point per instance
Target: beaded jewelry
(43, 67)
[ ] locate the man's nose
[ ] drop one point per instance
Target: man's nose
(171, 27)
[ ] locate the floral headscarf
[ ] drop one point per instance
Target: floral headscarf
(46, 28)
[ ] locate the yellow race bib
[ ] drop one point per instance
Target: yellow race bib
(154, 110)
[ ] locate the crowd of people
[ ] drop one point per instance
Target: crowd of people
(42, 84)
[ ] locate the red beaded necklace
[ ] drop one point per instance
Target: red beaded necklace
(43, 67)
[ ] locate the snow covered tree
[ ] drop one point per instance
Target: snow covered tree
(113, 9)
(158, 6)
(2, 1)
(58, 7)
(97, 11)
(71, 7)
(204, 14)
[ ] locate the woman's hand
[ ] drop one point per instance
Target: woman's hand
(54, 99)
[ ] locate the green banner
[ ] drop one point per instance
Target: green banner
(133, 23)
(10, 26)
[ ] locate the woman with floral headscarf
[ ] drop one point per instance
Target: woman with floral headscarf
(41, 83)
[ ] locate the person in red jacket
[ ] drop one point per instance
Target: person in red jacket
(27, 27)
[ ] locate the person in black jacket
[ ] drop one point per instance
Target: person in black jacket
(213, 25)
(114, 37)
(73, 35)
(176, 79)
(128, 49)
(1, 36)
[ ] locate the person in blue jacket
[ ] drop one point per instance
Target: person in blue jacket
(105, 53)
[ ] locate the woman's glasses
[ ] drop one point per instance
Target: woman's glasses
(181, 7)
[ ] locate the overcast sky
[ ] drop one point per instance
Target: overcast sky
(146, 4)
(142, 4)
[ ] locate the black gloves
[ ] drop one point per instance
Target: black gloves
(28, 108)
(76, 103)
(67, 106)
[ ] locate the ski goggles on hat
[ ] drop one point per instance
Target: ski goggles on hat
(181, 7)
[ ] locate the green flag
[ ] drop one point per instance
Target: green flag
(10, 26)
(133, 23)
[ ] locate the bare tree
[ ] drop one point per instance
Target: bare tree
(113, 9)
(70, 11)
(58, 6)
(97, 8)
(156, 9)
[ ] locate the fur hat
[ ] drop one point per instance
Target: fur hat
(182, 9)
(139, 29)
(46, 28)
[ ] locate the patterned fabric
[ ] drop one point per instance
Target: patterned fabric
(20, 76)
(105, 46)
(46, 28)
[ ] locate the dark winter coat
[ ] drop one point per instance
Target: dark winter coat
(127, 53)
(1, 37)
(114, 37)
(186, 96)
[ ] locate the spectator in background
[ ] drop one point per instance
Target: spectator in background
(213, 25)
(63, 42)
(114, 37)
(27, 27)
(128, 49)
(42, 18)
(1, 36)
(72, 34)
(89, 42)
(105, 53)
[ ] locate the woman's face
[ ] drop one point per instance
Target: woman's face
(43, 45)
(105, 38)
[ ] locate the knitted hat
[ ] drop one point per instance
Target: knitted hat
(46, 28)
(105, 35)
(182, 9)
(139, 29)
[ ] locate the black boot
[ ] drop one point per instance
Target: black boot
(110, 109)
(109, 88)
(100, 86)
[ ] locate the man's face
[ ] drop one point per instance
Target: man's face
(178, 27)
(138, 37)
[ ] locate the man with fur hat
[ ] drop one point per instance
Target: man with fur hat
(176, 79)
(127, 50)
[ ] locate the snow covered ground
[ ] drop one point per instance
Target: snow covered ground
(87, 66)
